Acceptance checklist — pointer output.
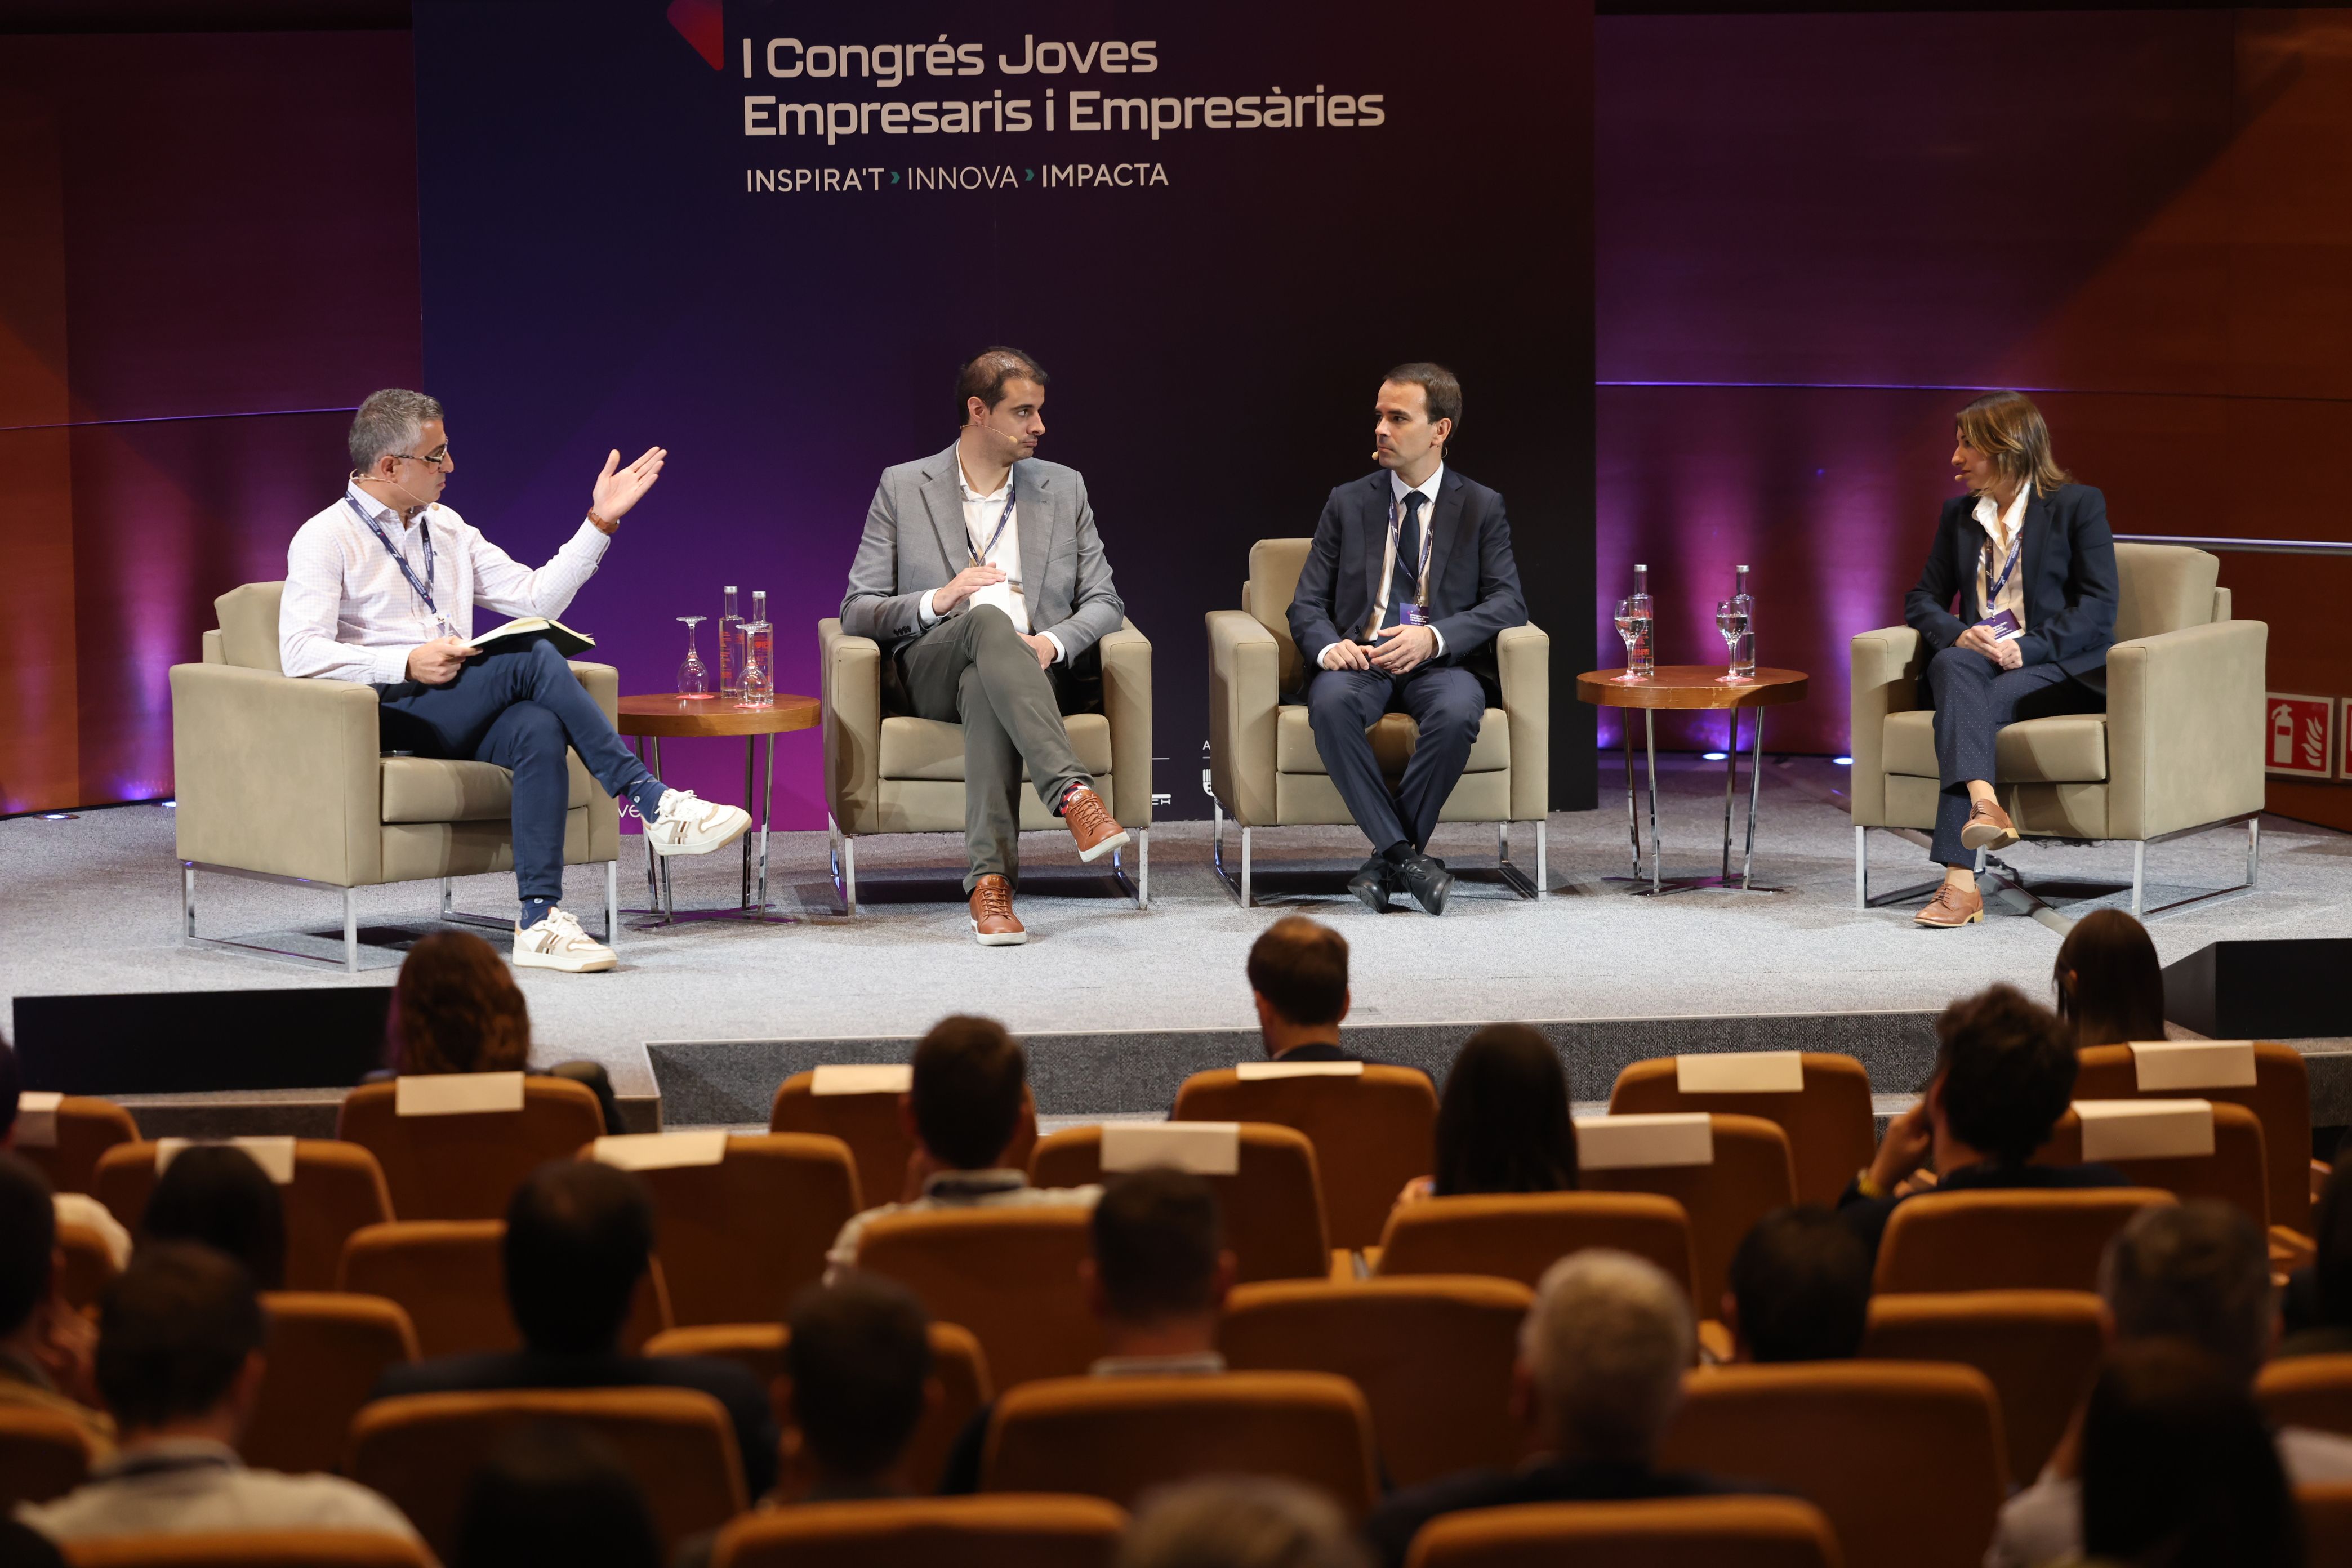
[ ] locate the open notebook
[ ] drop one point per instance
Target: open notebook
(499, 640)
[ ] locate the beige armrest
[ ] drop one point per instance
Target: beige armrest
(1886, 666)
(603, 683)
(851, 670)
(1244, 697)
(1127, 702)
(1523, 655)
(278, 775)
(2185, 727)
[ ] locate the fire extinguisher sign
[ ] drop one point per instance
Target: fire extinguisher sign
(2299, 736)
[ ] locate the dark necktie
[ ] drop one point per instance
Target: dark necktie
(1408, 561)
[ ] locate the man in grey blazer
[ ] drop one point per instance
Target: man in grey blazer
(980, 574)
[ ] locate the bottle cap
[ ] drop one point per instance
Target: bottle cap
(730, 587)
(1639, 567)
(1743, 568)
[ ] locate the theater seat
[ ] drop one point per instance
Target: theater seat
(466, 1165)
(956, 1362)
(449, 1277)
(2039, 1350)
(1989, 1241)
(1118, 1437)
(90, 1265)
(1374, 1129)
(2313, 1390)
(1007, 1530)
(252, 1548)
(338, 1188)
(65, 1143)
(1272, 1204)
(2326, 1512)
(1519, 1236)
(2279, 1096)
(1735, 1171)
(1820, 1100)
(42, 1455)
(859, 1105)
(324, 1352)
(1680, 1532)
(1009, 1275)
(2233, 1166)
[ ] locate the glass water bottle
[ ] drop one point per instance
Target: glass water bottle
(730, 658)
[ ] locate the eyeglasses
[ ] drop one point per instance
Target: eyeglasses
(433, 459)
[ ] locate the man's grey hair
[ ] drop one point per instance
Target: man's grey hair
(389, 423)
(1606, 1343)
(2198, 1271)
(1240, 1522)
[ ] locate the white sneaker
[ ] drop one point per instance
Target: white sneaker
(686, 824)
(558, 942)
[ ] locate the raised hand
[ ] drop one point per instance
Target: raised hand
(618, 489)
(963, 585)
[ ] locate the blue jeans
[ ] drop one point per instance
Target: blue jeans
(520, 709)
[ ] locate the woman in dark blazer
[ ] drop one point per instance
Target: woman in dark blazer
(2018, 602)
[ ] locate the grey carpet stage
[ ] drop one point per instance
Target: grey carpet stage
(702, 1020)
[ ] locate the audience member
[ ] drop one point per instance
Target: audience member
(2195, 1272)
(578, 1242)
(2318, 1305)
(2178, 1470)
(1502, 1122)
(2110, 987)
(457, 1008)
(217, 1195)
(1239, 1522)
(2004, 1075)
(1156, 1283)
(963, 1112)
(180, 1364)
(73, 1209)
(1298, 978)
(554, 1496)
(1602, 1358)
(45, 1347)
(1800, 1288)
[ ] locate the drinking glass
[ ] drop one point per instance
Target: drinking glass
(1731, 620)
(693, 675)
(758, 680)
(1634, 622)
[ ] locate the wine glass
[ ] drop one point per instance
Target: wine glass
(1634, 622)
(693, 675)
(1731, 624)
(758, 682)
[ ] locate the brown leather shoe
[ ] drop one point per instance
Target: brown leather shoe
(1953, 905)
(1089, 822)
(992, 922)
(1989, 827)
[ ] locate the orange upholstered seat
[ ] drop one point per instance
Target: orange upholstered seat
(2280, 1097)
(2308, 1391)
(252, 1548)
(1829, 1121)
(1681, 1533)
(1373, 1134)
(42, 1455)
(1519, 1236)
(1009, 1275)
(2237, 1170)
(67, 1153)
(90, 1265)
(324, 1352)
(466, 1166)
(1272, 1205)
(869, 1123)
(1986, 1240)
(2326, 1512)
(1009, 1529)
(449, 1278)
(1433, 1354)
(337, 1188)
(2039, 1349)
(1749, 1176)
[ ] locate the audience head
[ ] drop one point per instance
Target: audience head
(2110, 987)
(1159, 1250)
(552, 1495)
(857, 1369)
(1298, 970)
(971, 1083)
(179, 1341)
(217, 1195)
(579, 1235)
(2331, 1227)
(2178, 1466)
(1503, 1125)
(1239, 1522)
(2004, 1073)
(28, 1242)
(457, 1008)
(2196, 1271)
(1800, 1287)
(1602, 1352)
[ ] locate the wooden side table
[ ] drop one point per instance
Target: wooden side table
(657, 716)
(1689, 686)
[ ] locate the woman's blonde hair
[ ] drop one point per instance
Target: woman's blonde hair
(456, 1008)
(2008, 429)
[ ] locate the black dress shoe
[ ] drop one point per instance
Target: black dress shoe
(1429, 882)
(1373, 884)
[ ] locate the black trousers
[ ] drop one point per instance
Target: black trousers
(1974, 698)
(1445, 701)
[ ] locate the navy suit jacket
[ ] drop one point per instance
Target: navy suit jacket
(1473, 582)
(2068, 564)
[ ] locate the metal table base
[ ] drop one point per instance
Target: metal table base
(1724, 881)
(663, 909)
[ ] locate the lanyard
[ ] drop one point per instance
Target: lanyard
(425, 588)
(1428, 537)
(980, 558)
(1984, 557)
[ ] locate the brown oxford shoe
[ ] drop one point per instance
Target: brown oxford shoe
(1089, 822)
(1989, 827)
(992, 920)
(1953, 905)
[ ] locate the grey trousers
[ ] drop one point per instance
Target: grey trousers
(1974, 698)
(974, 669)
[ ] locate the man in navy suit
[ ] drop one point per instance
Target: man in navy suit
(2028, 557)
(1408, 581)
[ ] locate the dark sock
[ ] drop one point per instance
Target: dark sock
(1398, 853)
(535, 910)
(646, 794)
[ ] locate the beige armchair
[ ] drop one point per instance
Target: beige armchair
(282, 780)
(898, 774)
(2178, 751)
(1264, 769)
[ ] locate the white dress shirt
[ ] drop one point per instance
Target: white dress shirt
(187, 1486)
(1397, 490)
(980, 517)
(350, 612)
(2001, 528)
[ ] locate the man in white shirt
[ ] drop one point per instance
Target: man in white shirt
(1409, 578)
(180, 1365)
(380, 588)
(981, 576)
